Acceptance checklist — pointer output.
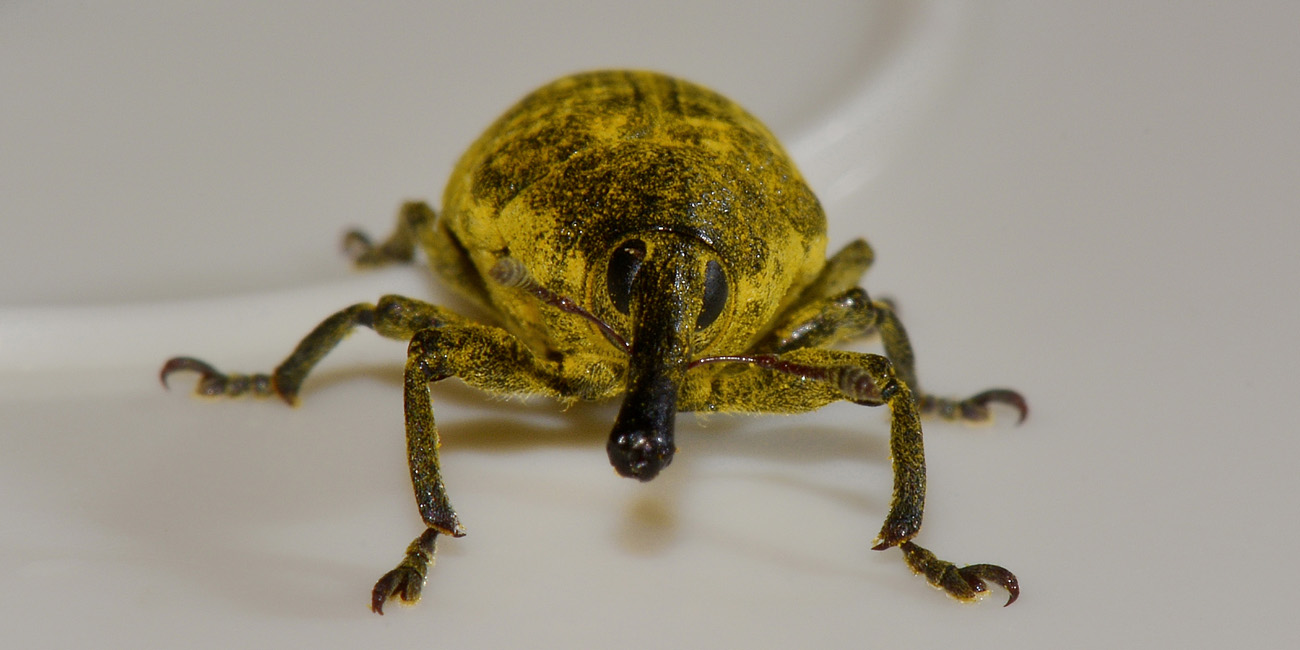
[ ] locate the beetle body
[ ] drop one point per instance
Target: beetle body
(591, 161)
(631, 233)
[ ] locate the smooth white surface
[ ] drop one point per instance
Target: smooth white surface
(1094, 205)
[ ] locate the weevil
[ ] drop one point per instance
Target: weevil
(635, 234)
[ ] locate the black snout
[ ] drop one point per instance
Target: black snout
(641, 442)
(665, 300)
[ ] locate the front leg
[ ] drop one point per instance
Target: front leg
(482, 356)
(808, 379)
(963, 583)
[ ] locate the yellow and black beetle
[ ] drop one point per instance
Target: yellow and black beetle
(635, 234)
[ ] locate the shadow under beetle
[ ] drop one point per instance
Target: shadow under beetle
(635, 234)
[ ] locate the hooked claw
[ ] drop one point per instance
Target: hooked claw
(213, 382)
(980, 402)
(976, 407)
(407, 580)
(963, 583)
(403, 583)
(976, 574)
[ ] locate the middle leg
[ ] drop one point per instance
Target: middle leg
(395, 317)
(834, 309)
(851, 314)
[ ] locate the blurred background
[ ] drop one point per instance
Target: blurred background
(1093, 203)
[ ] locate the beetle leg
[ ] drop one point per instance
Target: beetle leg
(394, 317)
(811, 378)
(414, 217)
(418, 226)
(833, 309)
(407, 580)
(843, 271)
(829, 320)
(823, 323)
(483, 356)
(851, 313)
(807, 379)
(976, 407)
(963, 583)
(898, 348)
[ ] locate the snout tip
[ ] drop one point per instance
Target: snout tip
(640, 455)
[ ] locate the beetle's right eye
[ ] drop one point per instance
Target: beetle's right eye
(623, 265)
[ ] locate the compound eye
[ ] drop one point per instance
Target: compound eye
(623, 265)
(715, 295)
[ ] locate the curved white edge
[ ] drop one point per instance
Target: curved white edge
(846, 148)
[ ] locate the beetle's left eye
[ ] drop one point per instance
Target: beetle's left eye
(715, 295)
(623, 265)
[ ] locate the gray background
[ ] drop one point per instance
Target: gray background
(1093, 203)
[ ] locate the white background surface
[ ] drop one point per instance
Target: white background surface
(1094, 204)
